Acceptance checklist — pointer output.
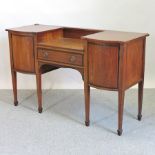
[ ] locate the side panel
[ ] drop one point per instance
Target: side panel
(134, 62)
(103, 65)
(23, 53)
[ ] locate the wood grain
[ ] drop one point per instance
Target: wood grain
(64, 43)
(59, 56)
(103, 65)
(115, 36)
(23, 53)
(110, 60)
(36, 28)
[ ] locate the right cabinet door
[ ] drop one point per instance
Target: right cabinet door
(103, 65)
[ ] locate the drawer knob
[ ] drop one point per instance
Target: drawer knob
(45, 54)
(73, 58)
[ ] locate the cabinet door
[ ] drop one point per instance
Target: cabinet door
(103, 65)
(23, 53)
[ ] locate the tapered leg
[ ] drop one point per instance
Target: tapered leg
(120, 111)
(39, 92)
(140, 99)
(14, 84)
(87, 103)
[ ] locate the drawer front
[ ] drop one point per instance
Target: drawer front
(103, 65)
(62, 57)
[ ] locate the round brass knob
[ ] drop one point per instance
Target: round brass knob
(73, 58)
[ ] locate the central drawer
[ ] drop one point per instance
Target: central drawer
(61, 56)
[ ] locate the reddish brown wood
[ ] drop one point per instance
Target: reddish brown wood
(77, 33)
(86, 85)
(107, 36)
(103, 65)
(13, 73)
(127, 61)
(23, 53)
(50, 35)
(39, 92)
(36, 28)
(134, 63)
(64, 43)
(14, 83)
(121, 86)
(120, 111)
(140, 99)
(110, 60)
(59, 56)
(23, 42)
(87, 103)
(141, 84)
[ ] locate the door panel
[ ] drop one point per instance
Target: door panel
(23, 53)
(103, 65)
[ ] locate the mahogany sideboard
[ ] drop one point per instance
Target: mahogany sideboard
(110, 60)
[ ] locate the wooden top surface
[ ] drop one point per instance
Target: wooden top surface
(115, 36)
(105, 36)
(34, 28)
(65, 43)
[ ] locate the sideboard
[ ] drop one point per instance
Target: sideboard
(110, 60)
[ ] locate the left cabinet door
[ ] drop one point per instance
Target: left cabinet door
(23, 53)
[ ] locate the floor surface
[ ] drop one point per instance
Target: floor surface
(60, 129)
